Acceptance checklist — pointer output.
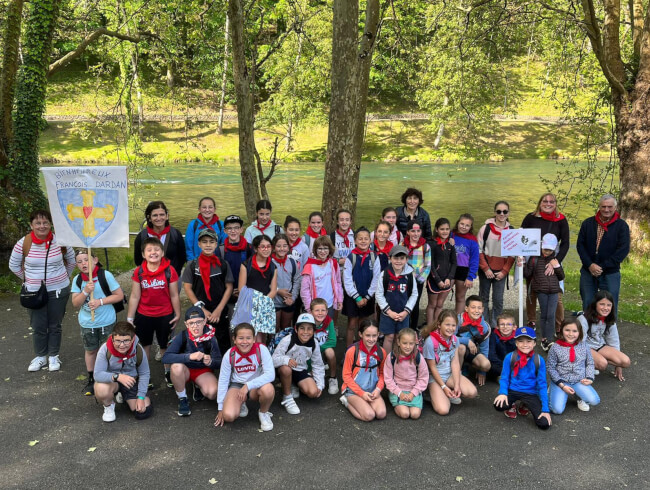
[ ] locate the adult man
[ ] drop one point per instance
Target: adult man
(603, 243)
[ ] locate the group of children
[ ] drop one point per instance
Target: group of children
(249, 291)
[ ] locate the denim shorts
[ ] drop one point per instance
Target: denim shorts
(388, 326)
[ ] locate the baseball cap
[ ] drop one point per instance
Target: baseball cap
(209, 232)
(194, 312)
(525, 332)
(305, 318)
(549, 241)
(233, 218)
(398, 250)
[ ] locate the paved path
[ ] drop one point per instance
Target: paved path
(323, 447)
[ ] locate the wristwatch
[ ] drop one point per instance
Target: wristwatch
(115, 376)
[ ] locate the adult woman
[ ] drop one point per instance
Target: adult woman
(207, 218)
(548, 219)
(412, 210)
(29, 259)
(493, 268)
(158, 226)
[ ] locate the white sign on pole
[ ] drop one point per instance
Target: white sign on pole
(521, 241)
(89, 205)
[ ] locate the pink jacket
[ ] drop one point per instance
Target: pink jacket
(308, 286)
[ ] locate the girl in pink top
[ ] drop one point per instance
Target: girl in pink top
(406, 375)
(321, 277)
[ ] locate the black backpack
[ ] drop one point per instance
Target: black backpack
(218, 223)
(355, 346)
(101, 279)
(513, 361)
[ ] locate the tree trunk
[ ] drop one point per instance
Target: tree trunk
(441, 128)
(224, 76)
(289, 135)
(245, 114)
(170, 75)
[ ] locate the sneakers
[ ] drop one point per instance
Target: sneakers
(155, 351)
(546, 345)
(523, 410)
(344, 401)
(37, 364)
(197, 394)
(265, 420)
(119, 398)
(532, 325)
(55, 363)
(109, 413)
(184, 407)
(295, 391)
(290, 406)
(455, 401)
(89, 390)
(243, 412)
(168, 379)
(332, 386)
(596, 372)
(511, 413)
(583, 406)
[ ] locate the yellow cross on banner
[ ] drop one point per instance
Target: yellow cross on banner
(90, 213)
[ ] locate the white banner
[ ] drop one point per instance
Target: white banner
(520, 241)
(89, 205)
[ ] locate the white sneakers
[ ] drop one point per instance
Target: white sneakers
(332, 386)
(265, 420)
(295, 391)
(583, 405)
(109, 413)
(37, 364)
(344, 401)
(55, 363)
(243, 412)
(290, 405)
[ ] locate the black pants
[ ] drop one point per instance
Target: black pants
(415, 314)
(533, 403)
(222, 330)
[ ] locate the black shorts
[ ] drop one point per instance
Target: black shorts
(461, 273)
(146, 326)
(286, 309)
(351, 310)
(298, 376)
(128, 393)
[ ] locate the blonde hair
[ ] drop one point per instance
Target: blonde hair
(402, 333)
(446, 313)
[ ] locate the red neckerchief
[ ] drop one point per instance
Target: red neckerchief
(205, 336)
(116, 353)
(151, 232)
(315, 261)
(362, 254)
(246, 356)
(522, 361)
(164, 263)
(369, 354)
(85, 277)
(258, 268)
(602, 319)
(238, 247)
(205, 224)
(502, 338)
(408, 358)
(466, 236)
(205, 264)
(47, 241)
(263, 228)
(572, 352)
(346, 240)
(445, 343)
(441, 242)
(474, 323)
(496, 230)
(295, 244)
(551, 216)
(386, 248)
(279, 260)
(410, 247)
(315, 235)
(605, 224)
(391, 274)
(326, 323)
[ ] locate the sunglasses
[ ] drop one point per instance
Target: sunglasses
(502, 211)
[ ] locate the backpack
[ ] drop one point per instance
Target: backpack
(513, 361)
(436, 346)
(278, 337)
(207, 344)
(196, 278)
(168, 273)
(218, 223)
(256, 346)
(243, 253)
(103, 283)
(486, 234)
(272, 267)
(353, 259)
(409, 283)
(293, 271)
(393, 358)
(138, 355)
(27, 245)
(355, 346)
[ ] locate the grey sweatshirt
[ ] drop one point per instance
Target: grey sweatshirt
(104, 368)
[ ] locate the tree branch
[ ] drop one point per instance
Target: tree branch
(275, 46)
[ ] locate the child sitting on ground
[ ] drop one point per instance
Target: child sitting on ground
(474, 336)
(502, 343)
(325, 336)
(524, 378)
(290, 358)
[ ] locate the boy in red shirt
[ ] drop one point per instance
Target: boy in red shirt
(154, 305)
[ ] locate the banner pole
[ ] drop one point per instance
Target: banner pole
(90, 279)
(520, 271)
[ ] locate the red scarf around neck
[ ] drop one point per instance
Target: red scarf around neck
(280, 261)
(326, 323)
(555, 216)
(361, 253)
(369, 353)
(248, 355)
(421, 242)
(116, 353)
(159, 236)
(85, 277)
(295, 244)
(391, 273)
(502, 338)
(204, 223)
(445, 343)
(237, 247)
(474, 323)
(262, 228)
(522, 361)
(257, 267)
(466, 236)
(441, 242)
(385, 249)
(48, 239)
(602, 319)
(164, 263)
(315, 235)
(204, 337)
(497, 231)
(205, 264)
(315, 261)
(605, 224)
(345, 237)
(572, 346)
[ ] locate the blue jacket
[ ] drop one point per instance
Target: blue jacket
(173, 354)
(614, 246)
(525, 381)
(192, 249)
(499, 350)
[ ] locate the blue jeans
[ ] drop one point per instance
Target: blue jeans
(547, 307)
(590, 285)
(498, 288)
(558, 397)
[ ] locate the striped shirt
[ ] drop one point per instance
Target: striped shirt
(58, 270)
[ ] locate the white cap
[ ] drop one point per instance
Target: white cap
(305, 318)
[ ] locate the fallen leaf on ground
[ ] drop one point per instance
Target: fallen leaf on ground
(459, 478)
(55, 409)
(607, 428)
(212, 481)
(81, 377)
(7, 379)
(33, 443)
(91, 449)
(259, 455)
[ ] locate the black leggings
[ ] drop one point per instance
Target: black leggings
(533, 403)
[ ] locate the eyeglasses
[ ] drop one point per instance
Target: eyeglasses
(196, 323)
(232, 228)
(323, 249)
(122, 342)
(502, 211)
(506, 324)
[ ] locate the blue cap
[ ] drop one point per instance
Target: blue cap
(525, 332)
